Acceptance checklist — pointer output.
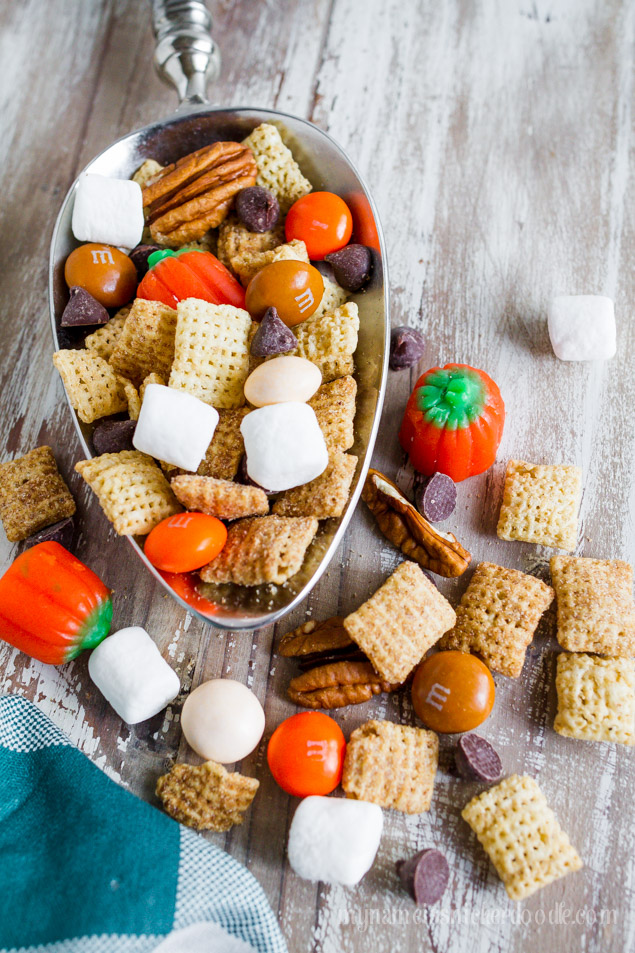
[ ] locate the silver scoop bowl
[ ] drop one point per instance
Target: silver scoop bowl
(187, 57)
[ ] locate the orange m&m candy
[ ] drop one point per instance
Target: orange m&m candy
(104, 272)
(453, 692)
(293, 288)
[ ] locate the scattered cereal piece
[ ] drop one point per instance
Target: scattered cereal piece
(596, 698)
(91, 384)
(32, 494)
(262, 549)
(333, 297)
(596, 612)
(277, 169)
(334, 407)
(248, 265)
(132, 397)
(103, 340)
(236, 243)
(206, 797)
(330, 340)
(521, 835)
(540, 504)
(582, 327)
(211, 354)
(324, 497)
(147, 172)
(146, 343)
(220, 498)
(391, 765)
(400, 622)
(151, 379)
(131, 490)
(497, 617)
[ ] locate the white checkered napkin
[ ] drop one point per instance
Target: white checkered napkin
(211, 352)
(277, 169)
(330, 340)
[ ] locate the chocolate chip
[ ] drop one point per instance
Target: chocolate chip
(425, 876)
(476, 760)
(243, 477)
(435, 497)
(257, 209)
(61, 533)
(406, 348)
(351, 266)
(112, 436)
(273, 336)
(82, 309)
(139, 257)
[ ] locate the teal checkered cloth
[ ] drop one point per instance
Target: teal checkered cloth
(86, 867)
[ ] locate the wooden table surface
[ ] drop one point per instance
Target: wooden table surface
(496, 137)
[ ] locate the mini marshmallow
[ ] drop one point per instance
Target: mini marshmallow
(132, 675)
(174, 426)
(582, 327)
(284, 445)
(334, 840)
(108, 210)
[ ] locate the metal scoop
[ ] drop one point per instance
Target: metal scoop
(187, 57)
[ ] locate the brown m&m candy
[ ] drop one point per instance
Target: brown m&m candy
(453, 692)
(104, 272)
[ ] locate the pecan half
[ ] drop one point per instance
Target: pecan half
(403, 525)
(337, 685)
(195, 194)
(311, 637)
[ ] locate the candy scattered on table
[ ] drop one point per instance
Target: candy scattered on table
(435, 497)
(306, 754)
(453, 692)
(104, 272)
(222, 720)
(206, 797)
(185, 542)
(257, 209)
(174, 426)
(322, 220)
(107, 210)
(582, 327)
(113, 436)
(132, 675)
(82, 309)
(293, 288)
(351, 266)
(407, 347)
(425, 876)
(273, 336)
(282, 379)
(52, 606)
(476, 759)
(333, 840)
(284, 445)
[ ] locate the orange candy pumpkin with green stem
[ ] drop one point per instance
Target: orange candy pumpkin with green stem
(453, 422)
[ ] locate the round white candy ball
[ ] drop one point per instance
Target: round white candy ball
(222, 720)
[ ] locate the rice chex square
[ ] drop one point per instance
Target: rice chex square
(93, 388)
(596, 698)
(540, 504)
(277, 169)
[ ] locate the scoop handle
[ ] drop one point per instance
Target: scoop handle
(185, 55)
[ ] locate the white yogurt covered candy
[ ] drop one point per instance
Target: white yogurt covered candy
(582, 327)
(132, 675)
(108, 210)
(284, 445)
(222, 720)
(174, 426)
(334, 840)
(283, 379)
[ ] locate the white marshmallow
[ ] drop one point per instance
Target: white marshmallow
(284, 445)
(174, 426)
(108, 210)
(132, 675)
(582, 327)
(334, 840)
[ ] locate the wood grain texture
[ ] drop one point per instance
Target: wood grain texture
(497, 140)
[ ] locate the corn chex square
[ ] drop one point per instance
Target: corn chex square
(324, 497)
(32, 494)
(261, 550)
(277, 169)
(104, 339)
(146, 343)
(91, 384)
(330, 340)
(391, 765)
(596, 698)
(206, 797)
(498, 616)
(596, 612)
(131, 489)
(540, 504)
(400, 622)
(211, 354)
(236, 244)
(220, 498)
(334, 407)
(521, 835)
